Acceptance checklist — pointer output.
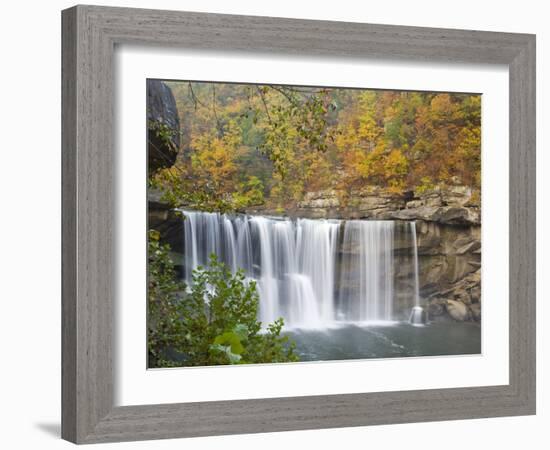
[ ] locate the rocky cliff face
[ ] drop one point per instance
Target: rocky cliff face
(448, 227)
(454, 205)
(163, 126)
(448, 232)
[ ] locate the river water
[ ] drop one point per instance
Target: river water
(388, 341)
(332, 281)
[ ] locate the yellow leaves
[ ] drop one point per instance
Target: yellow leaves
(396, 140)
(359, 127)
(442, 107)
(380, 166)
(214, 160)
(470, 142)
(396, 186)
(396, 164)
(249, 193)
(346, 138)
(368, 130)
(471, 109)
(214, 157)
(422, 119)
(168, 176)
(426, 184)
(468, 154)
(400, 140)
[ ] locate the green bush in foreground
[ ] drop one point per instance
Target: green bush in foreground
(213, 323)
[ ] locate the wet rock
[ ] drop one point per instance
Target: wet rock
(456, 195)
(319, 204)
(475, 294)
(457, 215)
(163, 126)
(475, 310)
(436, 308)
(415, 204)
(458, 310)
(432, 201)
(463, 297)
(324, 203)
(466, 292)
(451, 205)
(470, 247)
(431, 197)
(429, 238)
(448, 235)
(167, 221)
(453, 215)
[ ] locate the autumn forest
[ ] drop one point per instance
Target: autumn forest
(248, 145)
(295, 223)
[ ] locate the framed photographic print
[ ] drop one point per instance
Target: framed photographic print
(265, 230)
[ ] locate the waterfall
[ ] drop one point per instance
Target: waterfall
(415, 262)
(311, 272)
(316, 244)
(367, 278)
(268, 285)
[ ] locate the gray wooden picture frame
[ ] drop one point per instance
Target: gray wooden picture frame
(90, 34)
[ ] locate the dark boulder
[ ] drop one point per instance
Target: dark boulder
(163, 126)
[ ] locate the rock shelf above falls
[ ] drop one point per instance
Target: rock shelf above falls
(448, 232)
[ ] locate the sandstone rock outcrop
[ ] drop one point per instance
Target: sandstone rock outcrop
(466, 291)
(448, 238)
(448, 227)
(458, 310)
(454, 205)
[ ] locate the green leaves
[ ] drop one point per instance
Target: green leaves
(241, 331)
(211, 323)
(163, 132)
(297, 117)
(227, 351)
(232, 340)
(230, 343)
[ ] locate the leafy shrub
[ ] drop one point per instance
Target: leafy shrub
(212, 323)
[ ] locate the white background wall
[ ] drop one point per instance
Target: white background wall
(30, 235)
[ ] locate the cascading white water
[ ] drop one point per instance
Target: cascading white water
(316, 243)
(310, 272)
(415, 262)
(419, 315)
(244, 245)
(367, 278)
(268, 285)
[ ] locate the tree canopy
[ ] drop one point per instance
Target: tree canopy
(248, 145)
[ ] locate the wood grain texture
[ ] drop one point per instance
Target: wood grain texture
(87, 207)
(68, 227)
(89, 36)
